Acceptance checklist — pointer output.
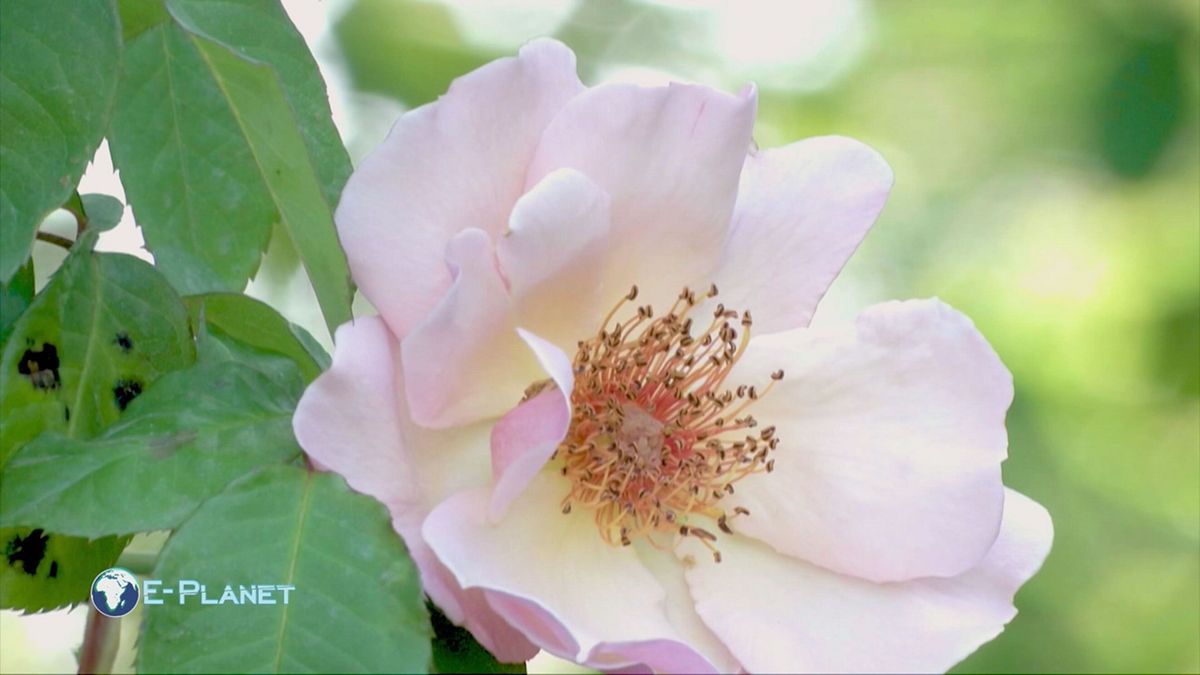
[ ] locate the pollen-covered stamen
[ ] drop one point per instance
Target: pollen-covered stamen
(654, 438)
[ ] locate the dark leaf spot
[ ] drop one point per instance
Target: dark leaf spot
(66, 413)
(122, 340)
(125, 391)
(27, 552)
(53, 569)
(41, 366)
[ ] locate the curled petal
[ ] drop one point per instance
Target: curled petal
(456, 163)
(669, 157)
(464, 362)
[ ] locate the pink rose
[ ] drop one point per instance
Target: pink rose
(623, 477)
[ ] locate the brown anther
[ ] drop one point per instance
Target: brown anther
(654, 436)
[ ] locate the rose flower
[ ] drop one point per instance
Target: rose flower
(593, 405)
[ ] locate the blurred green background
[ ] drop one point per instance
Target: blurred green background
(1047, 171)
(1047, 160)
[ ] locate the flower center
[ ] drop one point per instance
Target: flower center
(654, 436)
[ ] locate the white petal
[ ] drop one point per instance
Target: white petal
(801, 211)
(891, 438)
(553, 577)
(554, 255)
(669, 157)
(779, 614)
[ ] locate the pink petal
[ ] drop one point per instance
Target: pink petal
(457, 163)
(464, 362)
(351, 420)
(779, 614)
(801, 212)
(553, 577)
(525, 438)
(554, 255)
(670, 158)
(891, 438)
(348, 420)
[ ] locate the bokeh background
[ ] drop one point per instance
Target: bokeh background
(1047, 160)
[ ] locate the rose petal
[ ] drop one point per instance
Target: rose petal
(554, 255)
(669, 157)
(779, 614)
(348, 420)
(891, 438)
(351, 420)
(456, 163)
(525, 438)
(801, 212)
(553, 577)
(464, 362)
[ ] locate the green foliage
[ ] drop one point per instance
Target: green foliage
(221, 129)
(251, 323)
(181, 442)
(15, 296)
(100, 333)
(456, 651)
(105, 328)
(102, 212)
(44, 570)
(58, 73)
(357, 603)
(1141, 106)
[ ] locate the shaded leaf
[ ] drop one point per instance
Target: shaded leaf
(180, 443)
(357, 603)
(256, 324)
(58, 73)
(214, 148)
(103, 211)
(15, 296)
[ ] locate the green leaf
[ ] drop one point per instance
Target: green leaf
(357, 603)
(222, 129)
(103, 329)
(456, 651)
(45, 570)
(180, 443)
(103, 211)
(58, 72)
(139, 16)
(256, 324)
(15, 296)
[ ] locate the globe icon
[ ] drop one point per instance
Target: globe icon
(115, 592)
